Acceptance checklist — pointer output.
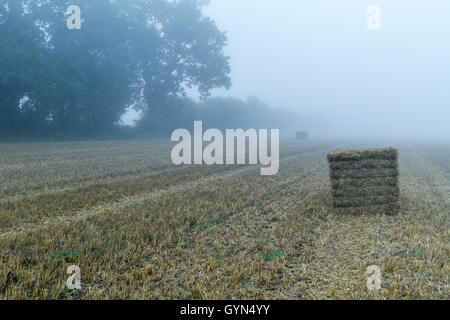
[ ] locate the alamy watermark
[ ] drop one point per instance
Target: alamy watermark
(213, 153)
(374, 17)
(373, 21)
(374, 278)
(74, 280)
(74, 19)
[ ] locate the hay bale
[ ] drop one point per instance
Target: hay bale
(365, 179)
(363, 154)
(301, 135)
(363, 173)
(366, 164)
(367, 182)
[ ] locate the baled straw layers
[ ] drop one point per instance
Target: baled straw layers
(365, 179)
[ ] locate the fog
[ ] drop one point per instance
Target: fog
(317, 66)
(320, 59)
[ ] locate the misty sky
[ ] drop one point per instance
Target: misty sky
(319, 58)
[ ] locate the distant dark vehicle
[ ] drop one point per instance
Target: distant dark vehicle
(302, 135)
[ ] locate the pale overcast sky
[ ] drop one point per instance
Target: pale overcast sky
(319, 58)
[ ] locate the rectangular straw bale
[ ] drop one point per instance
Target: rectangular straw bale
(301, 135)
(379, 181)
(363, 154)
(366, 164)
(363, 173)
(365, 179)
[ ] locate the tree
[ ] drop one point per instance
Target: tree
(177, 48)
(24, 69)
(93, 64)
(128, 53)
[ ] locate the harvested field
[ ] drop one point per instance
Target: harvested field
(140, 228)
(365, 201)
(366, 191)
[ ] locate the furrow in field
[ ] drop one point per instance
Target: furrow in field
(19, 163)
(84, 178)
(121, 203)
(67, 203)
(32, 181)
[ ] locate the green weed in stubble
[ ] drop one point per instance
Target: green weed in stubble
(68, 254)
(269, 196)
(244, 286)
(275, 255)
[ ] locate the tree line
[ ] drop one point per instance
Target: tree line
(128, 53)
(219, 113)
(140, 54)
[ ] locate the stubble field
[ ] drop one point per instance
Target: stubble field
(141, 228)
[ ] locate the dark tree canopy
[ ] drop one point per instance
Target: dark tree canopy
(128, 53)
